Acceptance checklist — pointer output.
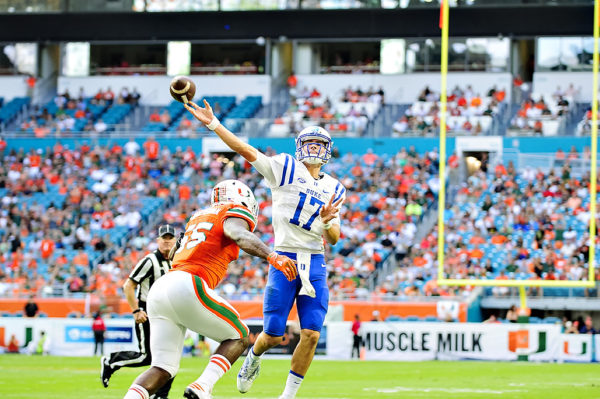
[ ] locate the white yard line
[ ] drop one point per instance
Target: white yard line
(443, 390)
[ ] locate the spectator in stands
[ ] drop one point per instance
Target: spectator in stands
(124, 96)
(401, 125)
(492, 319)
(100, 126)
(587, 327)
(413, 209)
(47, 248)
(376, 316)
(99, 97)
(134, 97)
(511, 314)
(31, 308)
(155, 116)
(131, 147)
(81, 94)
(151, 148)
(292, 82)
(109, 96)
(30, 81)
(571, 327)
(165, 118)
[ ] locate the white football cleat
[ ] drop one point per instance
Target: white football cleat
(196, 391)
(248, 374)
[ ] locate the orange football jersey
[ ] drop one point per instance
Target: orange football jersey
(205, 250)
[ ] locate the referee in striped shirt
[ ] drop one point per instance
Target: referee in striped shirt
(150, 268)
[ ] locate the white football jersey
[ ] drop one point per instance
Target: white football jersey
(297, 200)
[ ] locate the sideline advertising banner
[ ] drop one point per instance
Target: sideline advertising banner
(68, 337)
(447, 341)
(405, 341)
(576, 348)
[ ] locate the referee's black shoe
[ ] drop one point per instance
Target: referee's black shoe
(106, 371)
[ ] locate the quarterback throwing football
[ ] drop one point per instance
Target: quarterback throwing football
(184, 297)
(306, 204)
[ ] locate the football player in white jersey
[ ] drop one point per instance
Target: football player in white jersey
(306, 205)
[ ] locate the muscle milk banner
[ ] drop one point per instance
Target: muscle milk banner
(447, 341)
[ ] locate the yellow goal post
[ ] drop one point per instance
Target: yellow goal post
(441, 281)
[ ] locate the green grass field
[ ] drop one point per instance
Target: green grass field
(26, 377)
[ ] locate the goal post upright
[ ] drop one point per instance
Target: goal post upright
(441, 281)
(594, 147)
(444, 18)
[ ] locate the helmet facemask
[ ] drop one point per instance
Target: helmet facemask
(324, 144)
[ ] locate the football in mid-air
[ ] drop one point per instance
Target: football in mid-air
(182, 89)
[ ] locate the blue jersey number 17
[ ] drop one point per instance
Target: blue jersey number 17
(313, 201)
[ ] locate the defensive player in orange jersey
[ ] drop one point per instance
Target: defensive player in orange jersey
(184, 297)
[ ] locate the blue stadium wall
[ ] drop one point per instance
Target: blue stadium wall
(354, 145)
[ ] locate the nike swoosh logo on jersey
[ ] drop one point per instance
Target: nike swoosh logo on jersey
(325, 192)
(324, 265)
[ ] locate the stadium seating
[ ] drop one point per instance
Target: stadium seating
(224, 108)
(542, 114)
(348, 115)
(10, 110)
(244, 110)
(468, 113)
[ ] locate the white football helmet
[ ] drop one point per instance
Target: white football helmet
(302, 151)
(234, 191)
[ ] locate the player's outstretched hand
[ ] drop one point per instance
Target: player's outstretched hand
(204, 115)
(283, 264)
(331, 210)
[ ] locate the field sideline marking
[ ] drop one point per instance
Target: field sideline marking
(444, 390)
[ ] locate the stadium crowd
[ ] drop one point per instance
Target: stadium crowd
(506, 225)
(76, 113)
(66, 243)
(77, 220)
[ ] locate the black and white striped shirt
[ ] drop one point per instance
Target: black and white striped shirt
(149, 269)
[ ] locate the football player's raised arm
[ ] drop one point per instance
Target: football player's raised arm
(239, 231)
(206, 116)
